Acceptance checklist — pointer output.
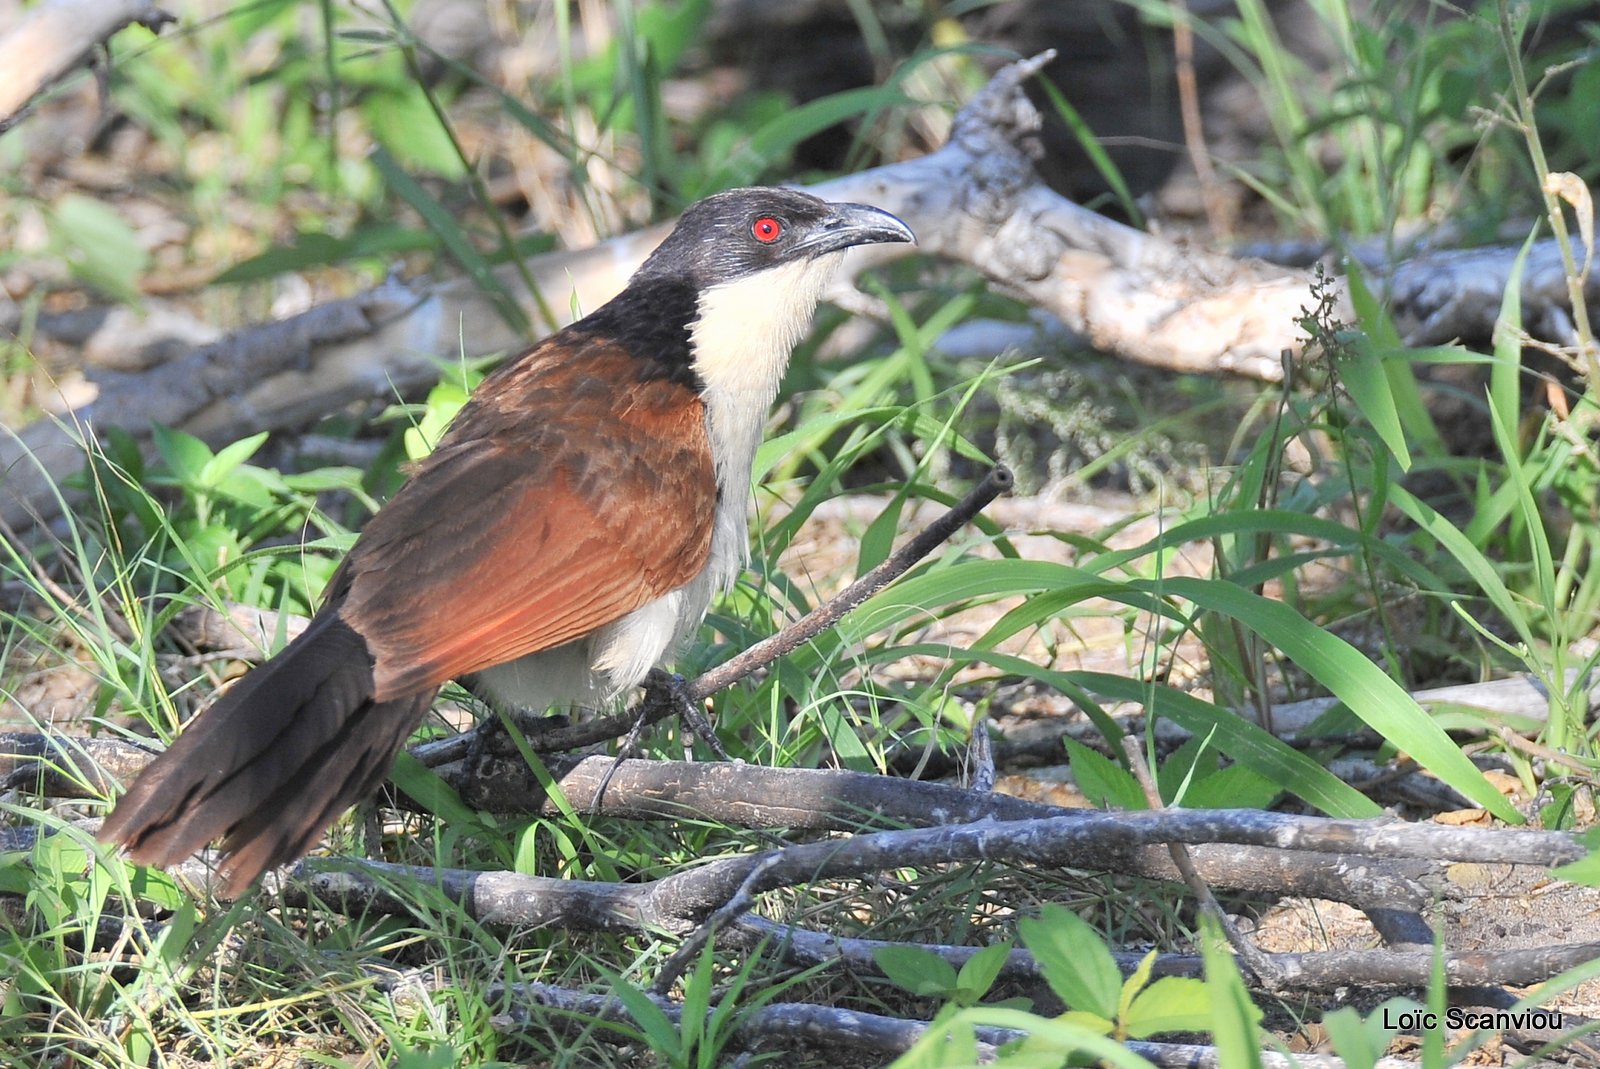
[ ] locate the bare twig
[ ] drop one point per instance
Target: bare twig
(826, 615)
(740, 902)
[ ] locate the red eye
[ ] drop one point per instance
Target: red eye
(766, 229)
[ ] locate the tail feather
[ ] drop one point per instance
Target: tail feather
(272, 763)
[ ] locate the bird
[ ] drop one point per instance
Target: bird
(565, 536)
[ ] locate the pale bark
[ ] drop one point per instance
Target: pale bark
(55, 38)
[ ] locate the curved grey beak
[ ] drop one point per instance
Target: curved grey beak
(855, 224)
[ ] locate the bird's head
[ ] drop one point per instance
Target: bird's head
(731, 236)
(756, 261)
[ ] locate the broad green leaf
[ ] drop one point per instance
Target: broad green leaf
(1064, 1034)
(1074, 960)
(99, 246)
(406, 125)
(917, 970)
(186, 455)
(1359, 1041)
(228, 458)
(978, 975)
(1106, 784)
(1234, 787)
(1171, 1004)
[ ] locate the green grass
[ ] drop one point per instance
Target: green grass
(1383, 563)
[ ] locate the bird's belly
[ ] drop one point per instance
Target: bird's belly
(593, 671)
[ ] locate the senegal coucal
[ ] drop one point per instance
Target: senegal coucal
(565, 536)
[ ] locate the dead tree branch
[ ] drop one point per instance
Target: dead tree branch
(55, 38)
(751, 796)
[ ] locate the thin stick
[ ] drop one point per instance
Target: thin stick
(1266, 973)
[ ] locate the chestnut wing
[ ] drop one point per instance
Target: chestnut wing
(566, 494)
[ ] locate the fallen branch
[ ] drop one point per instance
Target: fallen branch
(678, 903)
(751, 796)
(55, 38)
(795, 1022)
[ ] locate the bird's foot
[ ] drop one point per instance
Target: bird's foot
(672, 689)
(662, 690)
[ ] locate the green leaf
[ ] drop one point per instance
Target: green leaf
(1469, 556)
(98, 246)
(1232, 735)
(1585, 870)
(1364, 375)
(978, 975)
(662, 1034)
(1074, 960)
(407, 126)
(1505, 394)
(320, 250)
(186, 455)
(1234, 787)
(429, 790)
(1171, 1004)
(444, 225)
(228, 458)
(917, 970)
(1103, 163)
(1106, 784)
(1134, 984)
(1361, 1042)
(772, 143)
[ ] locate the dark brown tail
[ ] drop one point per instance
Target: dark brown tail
(272, 763)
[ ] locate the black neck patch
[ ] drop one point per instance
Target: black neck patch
(651, 320)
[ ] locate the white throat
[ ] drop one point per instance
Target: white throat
(742, 340)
